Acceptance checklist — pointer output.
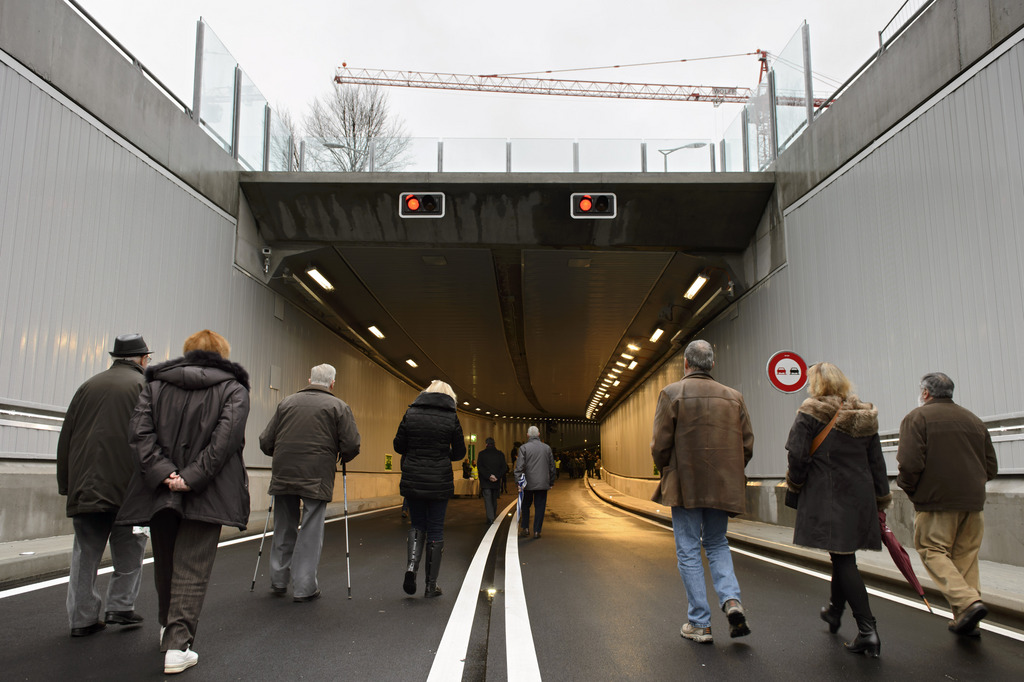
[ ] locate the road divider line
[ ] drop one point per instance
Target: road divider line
(450, 658)
(520, 652)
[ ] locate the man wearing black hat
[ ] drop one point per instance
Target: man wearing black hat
(94, 464)
(491, 467)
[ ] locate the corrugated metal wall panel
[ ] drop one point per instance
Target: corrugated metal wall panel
(910, 262)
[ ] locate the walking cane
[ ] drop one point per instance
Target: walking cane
(348, 567)
(262, 540)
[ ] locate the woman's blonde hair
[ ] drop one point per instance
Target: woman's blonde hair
(438, 386)
(824, 378)
(208, 341)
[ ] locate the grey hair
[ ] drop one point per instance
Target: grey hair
(532, 431)
(438, 386)
(700, 355)
(937, 384)
(322, 375)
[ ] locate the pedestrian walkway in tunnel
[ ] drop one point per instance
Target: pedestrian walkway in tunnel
(601, 599)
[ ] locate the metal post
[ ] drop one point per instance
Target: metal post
(302, 156)
(508, 155)
(236, 113)
(197, 81)
(773, 134)
(440, 155)
(808, 80)
(291, 153)
(266, 136)
(721, 154)
(643, 156)
(711, 146)
(373, 154)
(745, 124)
(575, 156)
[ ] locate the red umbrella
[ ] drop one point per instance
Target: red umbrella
(901, 559)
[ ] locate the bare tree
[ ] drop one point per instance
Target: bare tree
(284, 140)
(350, 125)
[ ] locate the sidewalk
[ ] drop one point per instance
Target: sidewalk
(27, 561)
(1002, 585)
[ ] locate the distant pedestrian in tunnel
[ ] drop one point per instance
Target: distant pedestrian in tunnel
(187, 434)
(537, 464)
(310, 432)
(429, 440)
(836, 467)
(945, 457)
(492, 469)
(94, 466)
(701, 443)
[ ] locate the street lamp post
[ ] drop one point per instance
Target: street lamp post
(690, 145)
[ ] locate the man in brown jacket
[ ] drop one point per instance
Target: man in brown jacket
(945, 457)
(309, 433)
(94, 465)
(701, 444)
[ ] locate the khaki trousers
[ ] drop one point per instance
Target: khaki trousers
(948, 542)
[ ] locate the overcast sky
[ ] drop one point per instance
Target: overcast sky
(290, 51)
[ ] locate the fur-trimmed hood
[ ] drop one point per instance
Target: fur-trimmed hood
(198, 369)
(856, 418)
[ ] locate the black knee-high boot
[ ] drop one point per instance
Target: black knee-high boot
(434, 552)
(414, 551)
(833, 613)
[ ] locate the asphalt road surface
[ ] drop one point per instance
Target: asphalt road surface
(597, 597)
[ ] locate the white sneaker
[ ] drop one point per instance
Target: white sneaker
(177, 661)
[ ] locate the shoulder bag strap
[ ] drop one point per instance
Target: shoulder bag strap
(820, 438)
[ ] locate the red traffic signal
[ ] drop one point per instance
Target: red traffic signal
(421, 204)
(592, 205)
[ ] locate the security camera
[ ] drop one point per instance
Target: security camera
(266, 251)
(266, 259)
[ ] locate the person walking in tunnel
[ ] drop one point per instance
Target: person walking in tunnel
(945, 457)
(701, 443)
(310, 432)
(537, 464)
(429, 438)
(187, 435)
(492, 468)
(837, 470)
(94, 466)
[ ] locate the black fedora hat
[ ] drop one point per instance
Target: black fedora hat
(130, 346)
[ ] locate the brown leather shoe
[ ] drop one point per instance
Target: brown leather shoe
(968, 620)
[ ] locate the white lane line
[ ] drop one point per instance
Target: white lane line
(450, 658)
(520, 653)
(32, 587)
(912, 603)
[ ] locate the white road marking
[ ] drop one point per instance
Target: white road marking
(520, 653)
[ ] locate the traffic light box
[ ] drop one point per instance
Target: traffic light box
(421, 204)
(592, 205)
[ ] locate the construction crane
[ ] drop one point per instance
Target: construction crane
(549, 86)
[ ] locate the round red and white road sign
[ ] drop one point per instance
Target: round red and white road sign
(787, 371)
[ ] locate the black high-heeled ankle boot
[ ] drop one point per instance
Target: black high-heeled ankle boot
(867, 641)
(832, 614)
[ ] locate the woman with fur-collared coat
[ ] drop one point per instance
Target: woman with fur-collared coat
(187, 434)
(841, 487)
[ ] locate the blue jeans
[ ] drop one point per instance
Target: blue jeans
(694, 528)
(428, 516)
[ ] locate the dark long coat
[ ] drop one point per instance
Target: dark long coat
(190, 418)
(429, 440)
(844, 484)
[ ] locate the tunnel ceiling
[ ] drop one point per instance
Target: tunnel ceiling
(522, 309)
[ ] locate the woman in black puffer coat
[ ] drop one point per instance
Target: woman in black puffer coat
(429, 440)
(842, 486)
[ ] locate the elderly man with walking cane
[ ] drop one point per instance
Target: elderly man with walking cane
(309, 433)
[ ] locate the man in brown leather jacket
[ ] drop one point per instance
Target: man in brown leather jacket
(945, 458)
(310, 432)
(701, 444)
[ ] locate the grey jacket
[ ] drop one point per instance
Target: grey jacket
(309, 433)
(536, 461)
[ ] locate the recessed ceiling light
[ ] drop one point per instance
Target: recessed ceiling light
(478, 409)
(466, 403)
(657, 334)
(616, 383)
(411, 363)
(616, 370)
(697, 285)
(633, 347)
(619, 364)
(627, 356)
(632, 365)
(376, 332)
(320, 279)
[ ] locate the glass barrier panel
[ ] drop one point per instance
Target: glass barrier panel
(790, 91)
(280, 144)
(611, 156)
(732, 146)
(217, 103)
(419, 155)
(542, 156)
(474, 155)
(679, 156)
(252, 122)
(759, 121)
